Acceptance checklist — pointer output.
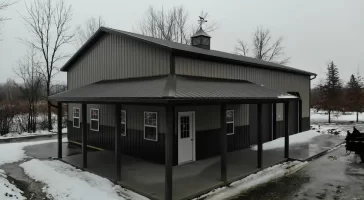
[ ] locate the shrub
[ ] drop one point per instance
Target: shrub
(7, 113)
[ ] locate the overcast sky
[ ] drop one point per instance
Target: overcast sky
(315, 31)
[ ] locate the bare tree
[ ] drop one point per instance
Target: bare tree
(48, 22)
(28, 71)
(4, 4)
(170, 25)
(84, 32)
(263, 47)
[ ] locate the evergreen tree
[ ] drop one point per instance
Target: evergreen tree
(331, 90)
(354, 95)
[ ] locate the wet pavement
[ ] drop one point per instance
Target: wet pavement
(32, 189)
(334, 176)
(317, 145)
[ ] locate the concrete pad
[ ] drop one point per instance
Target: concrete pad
(49, 150)
(148, 178)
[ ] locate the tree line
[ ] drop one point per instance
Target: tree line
(48, 23)
(332, 94)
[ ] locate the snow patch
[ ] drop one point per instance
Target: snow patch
(8, 190)
(298, 138)
(26, 134)
(66, 182)
(254, 180)
(322, 116)
(287, 96)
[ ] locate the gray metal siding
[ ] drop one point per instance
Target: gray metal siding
(208, 117)
(116, 57)
(282, 81)
(134, 115)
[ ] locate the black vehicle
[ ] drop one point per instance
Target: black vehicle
(355, 143)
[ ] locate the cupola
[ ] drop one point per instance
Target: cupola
(201, 39)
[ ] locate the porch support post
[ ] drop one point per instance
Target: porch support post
(300, 129)
(286, 134)
(59, 129)
(84, 135)
(118, 140)
(223, 143)
(274, 121)
(170, 113)
(259, 135)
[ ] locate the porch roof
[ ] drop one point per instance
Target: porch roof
(170, 87)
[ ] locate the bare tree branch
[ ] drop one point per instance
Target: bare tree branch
(4, 4)
(262, 48)
(170, 25)
(84, 32)
(28, 72)
(242, 48)
(48, 21)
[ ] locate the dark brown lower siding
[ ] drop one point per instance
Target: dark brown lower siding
(133, 143)
(207, 142)
(306, 124)
(280, 126)
(280, 129)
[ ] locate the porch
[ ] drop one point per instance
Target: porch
(166, 181)
(189, 180)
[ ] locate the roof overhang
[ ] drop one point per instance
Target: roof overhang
(173, 88)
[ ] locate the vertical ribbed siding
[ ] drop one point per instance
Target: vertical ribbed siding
(133, 143)
(116, 57)
(279, 113)
(134, 114)
(273, 79)
(208, 117)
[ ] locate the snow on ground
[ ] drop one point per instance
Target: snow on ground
(13, 152)
(66, 182)
(322, 116)
(254, 180)
(26, 134)
(8, 190)
(298, 138)
(339, 125)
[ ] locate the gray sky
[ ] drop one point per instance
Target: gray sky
(314, 32)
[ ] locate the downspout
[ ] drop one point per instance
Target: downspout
(309, 113)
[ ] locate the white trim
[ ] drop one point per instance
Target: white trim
(123, 111)
(73, 115)
(232, 122)
(193, 134)
(147, 125)
(98, 119)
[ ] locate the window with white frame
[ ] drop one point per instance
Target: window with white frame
(230, 122)
(123, 122)
(94, 119)
(76, 117)
(150, 126)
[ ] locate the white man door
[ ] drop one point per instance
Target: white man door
(186, 137)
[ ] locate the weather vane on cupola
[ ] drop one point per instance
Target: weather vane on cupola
(201, 21)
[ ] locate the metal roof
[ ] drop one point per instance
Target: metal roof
(216, 55)
(200, 32)
(168, 88)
